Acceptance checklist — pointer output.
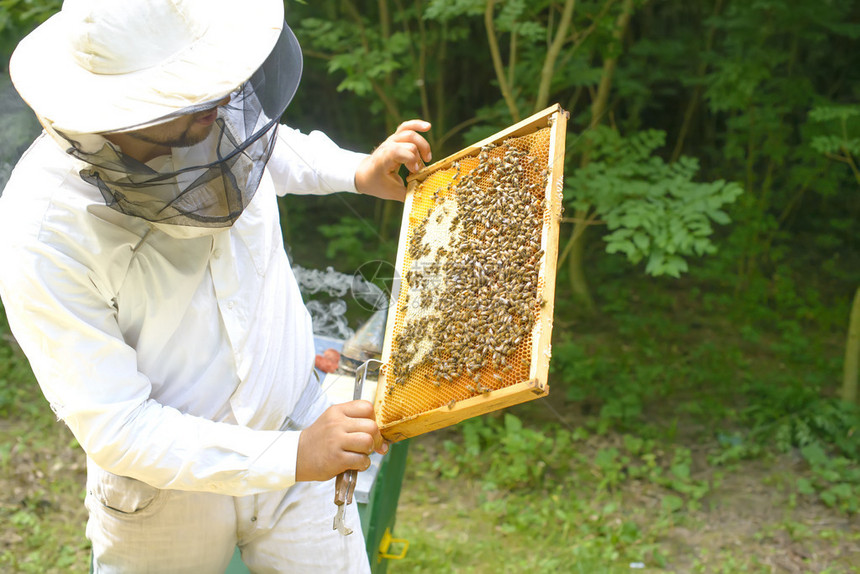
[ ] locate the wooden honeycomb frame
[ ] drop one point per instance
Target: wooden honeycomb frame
(527, 381)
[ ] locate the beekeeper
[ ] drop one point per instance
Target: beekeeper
(144, 275)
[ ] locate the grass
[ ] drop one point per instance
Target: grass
(683, 433)
(42, 474)
(603, 516)
(679, 436)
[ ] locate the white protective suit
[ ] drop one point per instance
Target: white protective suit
(176, 363)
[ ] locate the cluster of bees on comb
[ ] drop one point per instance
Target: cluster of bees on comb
(474, 259)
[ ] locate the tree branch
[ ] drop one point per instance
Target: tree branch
(577, 38)
(589, 221)
(315, 54)
(390, 105)
(497, 61)
(581, 224)
(458, 128)
(422, 66)
(552, 53)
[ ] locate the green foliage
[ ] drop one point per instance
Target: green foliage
(446, 10)
(676, 384)
(506, 455)
(517, 453)
(844, 144)
(526, 478)
(16, 381)
(754, 411)
(797, 417)
(362, 64)
(791, 418)
(654, 210)
(584, 373)
(354, 241)
(18, 18)
(39, 537)
(372, 58)
(18, 388)
(432, 59)
(828, 113)
(37, 475)
(835, 480)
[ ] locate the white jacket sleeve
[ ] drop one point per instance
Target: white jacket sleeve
(311, 164)
(67, 327)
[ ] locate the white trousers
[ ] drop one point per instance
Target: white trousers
(136, 528)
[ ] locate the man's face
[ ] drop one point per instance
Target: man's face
(148, 143)
(184, 131)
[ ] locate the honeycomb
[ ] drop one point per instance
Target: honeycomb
(471, 278)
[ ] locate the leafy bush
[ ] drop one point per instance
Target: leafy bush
(653, 209)
(798, 417)
(835, 480)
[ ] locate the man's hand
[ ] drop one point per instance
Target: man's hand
(342, 438)
(378, 173)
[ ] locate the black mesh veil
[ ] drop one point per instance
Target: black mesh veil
(207, 184)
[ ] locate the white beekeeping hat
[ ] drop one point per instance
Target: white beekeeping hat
(102, 66)
(108, 65)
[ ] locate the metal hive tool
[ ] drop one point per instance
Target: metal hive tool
(470, 320)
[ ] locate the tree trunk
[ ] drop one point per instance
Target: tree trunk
(696, 97)
(576, 269)
(558, 42)
(852, 354)
(499, 68)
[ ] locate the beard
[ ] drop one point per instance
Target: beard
(191, 135)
